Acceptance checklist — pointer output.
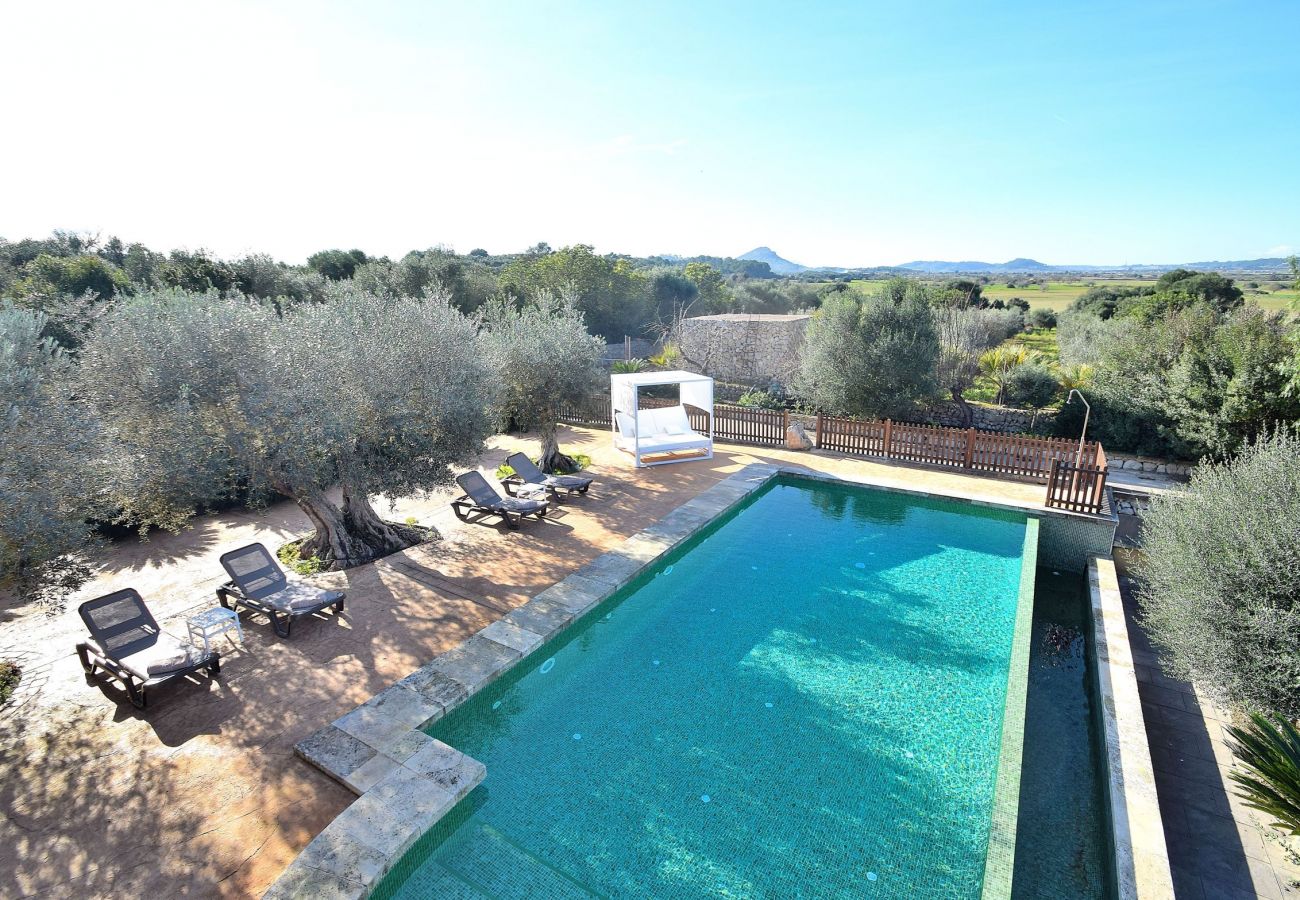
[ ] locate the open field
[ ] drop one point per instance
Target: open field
(1058, 295)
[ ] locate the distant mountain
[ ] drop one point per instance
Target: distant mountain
(1027, 266)
(1019, 264)
(778, 265)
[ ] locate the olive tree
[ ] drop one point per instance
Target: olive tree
(871, 356)
(1218, 587)
(964, 334)
(370, 394)
(47, 460)
(542, 357)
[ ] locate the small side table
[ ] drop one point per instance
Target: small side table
(212, 622)
(531, 491)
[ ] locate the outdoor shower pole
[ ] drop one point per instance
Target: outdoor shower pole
(1087, 411)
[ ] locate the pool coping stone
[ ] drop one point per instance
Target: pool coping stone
(1141, 857)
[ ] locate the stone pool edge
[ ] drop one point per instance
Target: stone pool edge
(1000, 858)
(406, 780)
(1141, 858)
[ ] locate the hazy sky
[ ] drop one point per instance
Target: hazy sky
(837, 134)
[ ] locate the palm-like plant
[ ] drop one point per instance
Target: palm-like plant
(998, 364)
(627, 366)
(1076, 378)
(1270, 751)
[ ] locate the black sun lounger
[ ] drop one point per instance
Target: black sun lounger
(257, 582)
(481, 497)
(126, 642)
(526, 472)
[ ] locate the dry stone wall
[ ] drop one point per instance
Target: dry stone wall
(752, 349)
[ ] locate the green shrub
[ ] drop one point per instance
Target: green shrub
(1042, 318)
(1031, 384)
(627, 366)
(580, 462)
(10, 675)
(1218, 588)
(761, 400)
(291, 555)
(1271, 783)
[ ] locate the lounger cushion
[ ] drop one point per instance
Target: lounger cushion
(520, 505)
(567, 481)
(162, 657)
(626, 425)
(663, 443)
(296, 596)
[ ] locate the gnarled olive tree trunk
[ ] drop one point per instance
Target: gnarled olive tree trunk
(353, 533)
(967, 415)
(553, 460)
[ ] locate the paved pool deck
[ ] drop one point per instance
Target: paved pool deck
(203, 796)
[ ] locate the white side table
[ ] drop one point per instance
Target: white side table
(531, 491)
(212, 622)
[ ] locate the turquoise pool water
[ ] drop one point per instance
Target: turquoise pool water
(805, 701)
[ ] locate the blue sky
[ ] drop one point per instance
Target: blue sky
(837, 134)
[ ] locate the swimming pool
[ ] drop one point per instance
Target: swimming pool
(806, 699)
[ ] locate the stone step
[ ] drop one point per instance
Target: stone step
(499, 867)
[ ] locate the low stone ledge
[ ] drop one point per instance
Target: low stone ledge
(577, 593)
(516, 637)
(384, 721)
(357, 849)
(1141, 861)
(475, 663)
(543, 617)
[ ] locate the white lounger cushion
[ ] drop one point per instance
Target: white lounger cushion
(663, 443)
(662, 431)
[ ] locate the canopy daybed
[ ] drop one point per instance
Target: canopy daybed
(663, 433)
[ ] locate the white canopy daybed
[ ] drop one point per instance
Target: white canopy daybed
(661, 432)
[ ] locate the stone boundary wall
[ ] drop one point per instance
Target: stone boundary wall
(751, 349)
(1141, 863)
(1173, 468)
(987, 418)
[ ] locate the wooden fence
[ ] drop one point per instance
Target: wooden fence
(1078, 488)
(1012, 455)
(1076, 482)
(737, 424)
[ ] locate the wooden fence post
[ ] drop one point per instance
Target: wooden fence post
(889, 431)
(970, 447)
(817, 441)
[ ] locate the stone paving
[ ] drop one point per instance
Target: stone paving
(203, 796)
(1218, 849)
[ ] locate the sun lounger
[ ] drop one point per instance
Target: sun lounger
(126, 642)
(257, 582)
(480, 497)
(526, 472)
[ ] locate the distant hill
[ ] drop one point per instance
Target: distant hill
(1019, 264)
(778, 265)
(1029, 266)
